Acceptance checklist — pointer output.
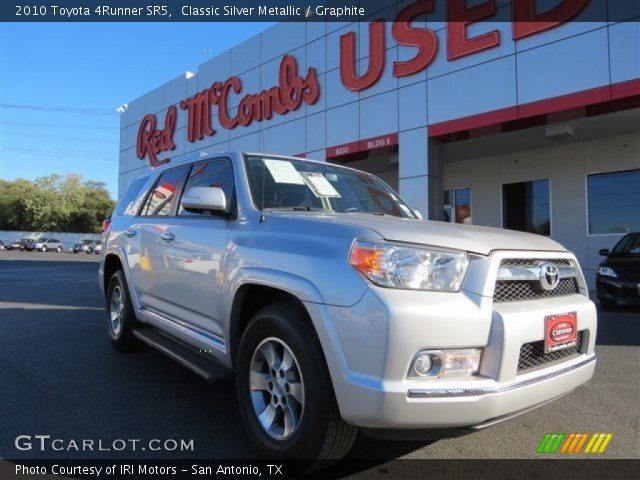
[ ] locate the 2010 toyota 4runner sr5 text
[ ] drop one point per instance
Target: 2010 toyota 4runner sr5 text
(336, 306)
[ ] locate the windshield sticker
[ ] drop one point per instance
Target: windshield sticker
(283, 172)
(319, 185)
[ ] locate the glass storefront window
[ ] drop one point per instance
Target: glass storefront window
(458, 205)
(614, 202)
(526, 207)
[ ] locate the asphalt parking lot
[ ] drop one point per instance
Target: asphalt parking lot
(61, 377)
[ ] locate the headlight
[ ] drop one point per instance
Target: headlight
(398, 266)
(606, 272)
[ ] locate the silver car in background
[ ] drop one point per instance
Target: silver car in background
(44, 245)
(336, 306)
(85, 246)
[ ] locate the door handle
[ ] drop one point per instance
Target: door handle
(130, 232)
(167, 237)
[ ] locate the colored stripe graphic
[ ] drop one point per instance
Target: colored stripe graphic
(580, 443)
(572, 443)
(551, 442)
(598, 443)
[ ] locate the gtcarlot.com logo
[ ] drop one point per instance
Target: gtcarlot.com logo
(48, 443)
(574, 443)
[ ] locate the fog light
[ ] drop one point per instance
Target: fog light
(426, 364)
(422, 364)
(437, 363)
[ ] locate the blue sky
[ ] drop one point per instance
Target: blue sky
(96, 66)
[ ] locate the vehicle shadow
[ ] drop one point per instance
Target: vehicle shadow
(619, 325)
(63, 378)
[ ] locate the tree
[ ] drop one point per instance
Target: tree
(56, 203)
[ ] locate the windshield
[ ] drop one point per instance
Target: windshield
(297, 184)
(41, 239)
(87, 242)
(629, 245)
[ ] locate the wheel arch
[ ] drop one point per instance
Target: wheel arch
(112, 264)
(248, 299)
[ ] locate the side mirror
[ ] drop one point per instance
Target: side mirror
(418, 214)
(604, 252)
(201, 199)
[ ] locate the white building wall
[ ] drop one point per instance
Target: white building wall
(573, 57)
(566, 167)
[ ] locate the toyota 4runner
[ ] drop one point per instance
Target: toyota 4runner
(336, 306)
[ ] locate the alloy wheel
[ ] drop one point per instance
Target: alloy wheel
(116, 310)
(277, 388)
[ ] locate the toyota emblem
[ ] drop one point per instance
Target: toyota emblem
(548, 275)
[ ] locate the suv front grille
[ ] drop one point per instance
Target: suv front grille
(520, 290)
(532, 354)
(514, 291)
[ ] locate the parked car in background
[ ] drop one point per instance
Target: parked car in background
(618, 276)
(336, 306)
(20, 244)
(87, 245)
(97, 249)
(45, 245)
(1, 245)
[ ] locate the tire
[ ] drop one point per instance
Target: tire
(607, 303)
(120, 328)
(43, 249)
(59, 249)
(320, 433)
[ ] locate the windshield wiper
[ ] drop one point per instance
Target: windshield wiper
(299, 208)
(381, 214)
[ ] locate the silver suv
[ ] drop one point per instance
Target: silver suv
(336, 306)
(45, 245)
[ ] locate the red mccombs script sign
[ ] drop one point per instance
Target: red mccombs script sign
(292, 91)
(528, 18)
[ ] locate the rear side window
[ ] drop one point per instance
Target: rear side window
(127, 204)
(163, 195)
(214, 173)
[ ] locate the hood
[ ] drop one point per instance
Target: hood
(470, 238)
(623, 264)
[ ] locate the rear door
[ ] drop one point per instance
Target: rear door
(146, 233)
(192, 252)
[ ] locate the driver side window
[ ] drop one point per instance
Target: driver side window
(213, 173)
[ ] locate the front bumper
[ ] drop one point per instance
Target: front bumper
(617, 288)
(373, 343)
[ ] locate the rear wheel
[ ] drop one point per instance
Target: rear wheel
(121, 319)
(284, 390)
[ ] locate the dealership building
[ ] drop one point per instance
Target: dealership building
(532, 126)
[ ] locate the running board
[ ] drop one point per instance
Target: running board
(209, 369)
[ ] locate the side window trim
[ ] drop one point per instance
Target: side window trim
(232, 213)
(179, 185)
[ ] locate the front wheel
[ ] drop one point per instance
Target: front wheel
(59, 249)
(43, 249)
(284, 390)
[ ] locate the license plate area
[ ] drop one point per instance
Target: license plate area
(561, 331)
